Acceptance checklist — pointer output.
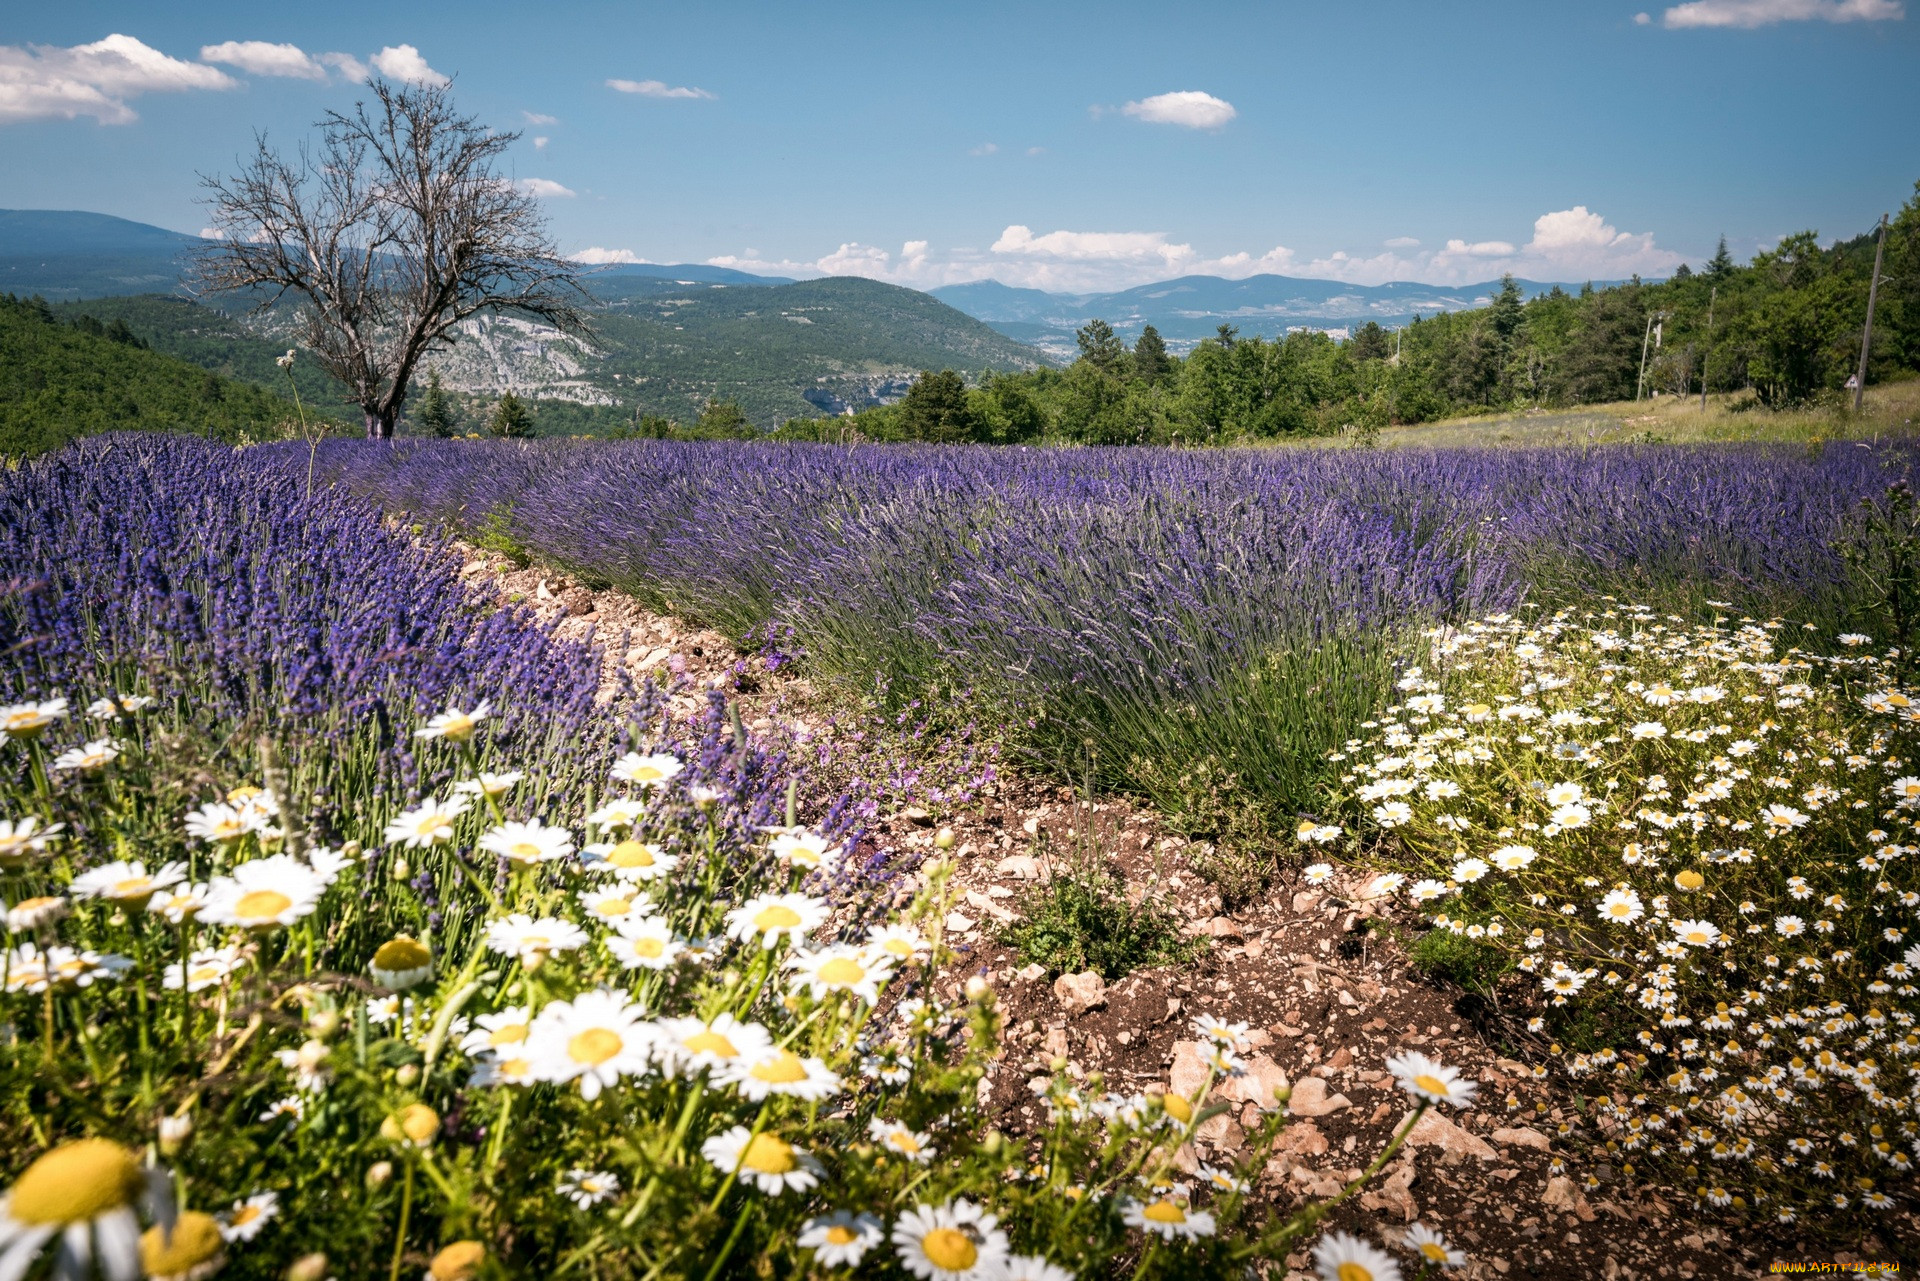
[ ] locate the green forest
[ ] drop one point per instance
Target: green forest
(1781, 331)
(77, 375)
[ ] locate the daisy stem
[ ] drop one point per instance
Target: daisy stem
(1153, 1251)
(739, 1225)
(400, 1235)
(679, 1134)
(500, 1129)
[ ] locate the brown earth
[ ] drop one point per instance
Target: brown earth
(1326, 999)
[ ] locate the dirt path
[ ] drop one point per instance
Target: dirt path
(1326, 999)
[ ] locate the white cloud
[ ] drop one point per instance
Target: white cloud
(1036, 151)
(984, 149)
(658, 89)
(1761, 13)
(1642, 19)
(540, 143)
(349, 67)
(598, 257)
(545, 188)
(1568, 245)
(1189, 108)
(535, 118)
(39, 82)
(403, 62)
(265, 59)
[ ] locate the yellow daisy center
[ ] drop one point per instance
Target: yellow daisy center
(74, 1183)
(950, 1249)
(711, 1042)
(457, 726)
(244, 1215)
(898, 947)
(1351, 1271)
(777, 917)
(205, 974)
(526, 851)
(1434, 1251)
(401, 954)
(515, 1067)
(782, 1068)
(631, 854)
(651, 948)
(1164, 1212)
(512, 1034)
(768, 1155)
(595, 1045)
(613, 905)
(842, 972)
(903, 1141)
(1178, 1108)
(1431, 1084)
(131, 887)
(837, 1235)
(261, 905)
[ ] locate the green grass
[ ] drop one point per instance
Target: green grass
(1081, 920)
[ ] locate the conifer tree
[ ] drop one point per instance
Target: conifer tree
(435, 415)
(511, 418)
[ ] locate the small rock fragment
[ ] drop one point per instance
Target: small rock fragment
(1435, 1131)
(1310, 1098)
(1078, 993)
(1524, 1137)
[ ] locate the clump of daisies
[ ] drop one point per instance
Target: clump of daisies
(1700, 845)
(476, 1030)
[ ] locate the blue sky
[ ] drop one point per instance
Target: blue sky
(1062, 146)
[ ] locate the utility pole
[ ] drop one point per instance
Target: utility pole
(1866, 335)
(1712, 297)
(1640, 387)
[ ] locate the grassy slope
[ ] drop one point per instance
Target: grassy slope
(1890, 409)
(57, 382)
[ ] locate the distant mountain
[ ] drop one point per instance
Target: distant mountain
(70, 253)
(688, 272)
(1191, 308)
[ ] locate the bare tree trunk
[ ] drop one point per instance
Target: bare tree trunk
(379, 423)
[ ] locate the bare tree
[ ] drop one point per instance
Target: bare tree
(399, 229)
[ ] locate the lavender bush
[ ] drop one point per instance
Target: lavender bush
(1153, 609)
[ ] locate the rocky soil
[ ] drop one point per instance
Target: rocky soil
(1327, 999)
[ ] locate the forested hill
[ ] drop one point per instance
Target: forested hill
(65, 378)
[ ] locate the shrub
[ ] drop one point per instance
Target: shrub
(1081, 919)
(1699, 842)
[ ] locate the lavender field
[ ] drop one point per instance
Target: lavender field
(1155, 609)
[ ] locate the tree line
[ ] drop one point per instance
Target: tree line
(1783, 330)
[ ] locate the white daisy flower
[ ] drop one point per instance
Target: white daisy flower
(512, 1068)
(840, 1239)
(651, 771)
(528, 844)
(292, 1106)
(645, 942)
(180, 903)
(1339, 1257)
(596, 1038)
(780, 1071)
(805, 848)
(1469, 870)
(128, 883)
(206, 967)
(245, 1221)
(533, 941)
(106, 709)
(1511, 858)
(957, 1241)
(767, 1162)
(630, 860)
(1427, 890)
(842, 968)
(494, 785)
(428, 823)
(901, 1140)
(1318, 873)
(618, 815)
(1645, 730)
(1565, 794)
(501, 1032)
(263, 894)
(29, 720)
(776, 917)
(615, 905)
(588, 1188)
(401, 963)
(81, 1193)
(218, 823)
(1423, 1078)
(1031, 1267)
(455, 725)
(1696, 933)
(902, 943)
(1621, 906)
(1776, 819)
(1169, 1217)
(692, 1045)
(94, 755)
(21, 839)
